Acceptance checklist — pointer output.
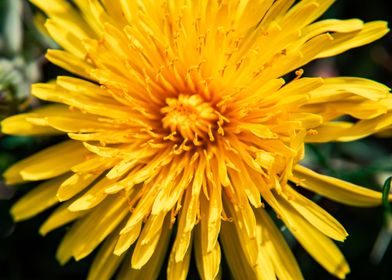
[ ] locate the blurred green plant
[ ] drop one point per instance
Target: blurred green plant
(385, 236)
(21, 55)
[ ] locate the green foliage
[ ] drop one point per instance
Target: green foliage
(21, 55)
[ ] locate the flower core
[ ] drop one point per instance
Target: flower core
(190, 116)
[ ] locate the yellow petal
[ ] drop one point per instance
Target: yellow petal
(92, 197)
(336, 189)
(37, 200)
(126, 239)
(234, 254)
(329, 131)
(213, 219)
(64, 11)
(46, 164)
(148, 240)
(65, 37)
(94, 164)
(22, 125)
(178, 270)
(277, 9)
(96, 104)
(297, 57)
(182, 242)
(334, 87)
(307, 120)
(129, 9)
(365, 128)
(151, 269)
(331, 25)
(304, 13)
(80, 85)
(60, 217)
(87, 233)
(258, 130)
(344, 41)
(317, 216)
(320, 247)
(105, 262)
(351, 106)
(75, 184)
(207, 263)
(274, 245)
(248, 13)
(70, 63)
(115, 11)
(19, 125)
(142, 210)
(245, 224)
(81, 123)
(264, 266)
(84, 7)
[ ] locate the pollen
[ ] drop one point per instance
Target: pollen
(189, 116)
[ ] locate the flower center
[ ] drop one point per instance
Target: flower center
(190, 116)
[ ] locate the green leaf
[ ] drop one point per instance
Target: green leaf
(11, 26)
(385, 196)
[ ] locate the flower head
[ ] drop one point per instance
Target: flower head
(180, 124)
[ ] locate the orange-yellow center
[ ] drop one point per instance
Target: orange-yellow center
(190, 116)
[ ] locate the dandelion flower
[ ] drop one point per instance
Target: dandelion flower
(181, 126)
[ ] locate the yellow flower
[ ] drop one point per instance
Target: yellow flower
(181, 125)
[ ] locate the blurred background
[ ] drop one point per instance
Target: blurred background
(24, 254)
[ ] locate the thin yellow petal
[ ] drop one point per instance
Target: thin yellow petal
(154, 228)
(320, 247)
(46, 164)
(87, 233)
(334, 87)
(178, 270)
(365, 128)
(182, 242)
(245, 224)
(317, 216)
(328, 132)
(126, 239)
(336, 189)
(64, 11)
(70, 62)
(207, 263)
(331, 25)
(92, 197)
(22, 125)
(304, 13)
(96, 104)
(239, 266)
(344, 41)
(275, 246)
(151, 269)
(75, 184)
(105, 262)
(59, 217)
(37, 200)
(65, 37)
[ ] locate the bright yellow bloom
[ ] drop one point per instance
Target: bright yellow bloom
(182, 125)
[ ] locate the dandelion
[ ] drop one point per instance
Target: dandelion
(181, 127)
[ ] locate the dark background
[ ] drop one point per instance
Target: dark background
(24, 254)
